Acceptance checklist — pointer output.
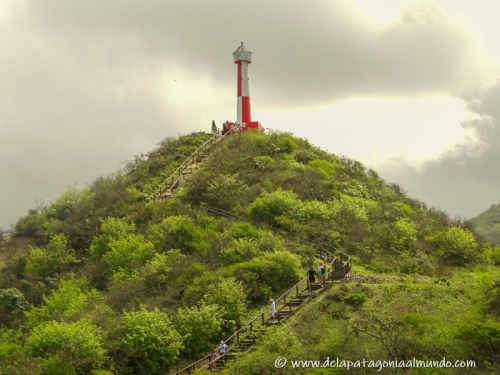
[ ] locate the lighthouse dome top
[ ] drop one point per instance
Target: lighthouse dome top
(242, 53)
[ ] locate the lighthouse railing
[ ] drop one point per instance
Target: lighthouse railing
(171, 180)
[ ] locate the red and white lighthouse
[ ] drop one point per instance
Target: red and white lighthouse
(243, 57)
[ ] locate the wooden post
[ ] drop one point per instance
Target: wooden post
(297, 290)
(263, 320)
(284, 299)
(251, 327)
(238, 338)
(278, 317)
(341, 256)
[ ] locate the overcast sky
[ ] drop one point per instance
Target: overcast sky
(410, 88)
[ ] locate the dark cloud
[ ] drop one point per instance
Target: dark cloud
(81, 80)
(465, 181)
(304, 53)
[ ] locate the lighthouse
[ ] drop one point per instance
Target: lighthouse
(243, 57)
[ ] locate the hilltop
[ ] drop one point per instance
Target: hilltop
(488, 224)
(106, 280)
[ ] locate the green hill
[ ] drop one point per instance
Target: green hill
(106, 280)
(488, 224)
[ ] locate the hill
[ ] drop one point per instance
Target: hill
(106, 280)
(488, 224)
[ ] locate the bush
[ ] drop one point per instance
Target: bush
(179, 232)
(72, 298)
(112, 229)
(230, 295)
(269, 272)
(356, 299)
(31, 225)
(243, 230)
(224, 190)
(123, 252)
(163, 268)
(200, 328)
(271, 205)
(42, 263)
(404, 234)
(483, 341)
(149, 342)
(12, 300)
(79, 344)
(240, 251)
(458, 246)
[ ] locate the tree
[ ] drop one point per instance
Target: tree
(149, 342)
(230, 295)
(200, 328)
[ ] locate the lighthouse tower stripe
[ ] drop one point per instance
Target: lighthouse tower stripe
(239, 112)
(243, 105)
(245, 90)
(239, 79)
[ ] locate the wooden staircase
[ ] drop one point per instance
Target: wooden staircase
(291, 301)
(189, 165)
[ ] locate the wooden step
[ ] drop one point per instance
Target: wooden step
(247, 341)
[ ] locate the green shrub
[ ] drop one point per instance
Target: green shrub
(179, 232)
(12, 300)
(200, 328)
(55, 258)
(483, 341)
(271, 205)
(223, 190)
(263, 162)
(123, 252)
(31, 225)
(404, 234)
(72, 298)
(243, 230)
(325, 168)
(112, 229)
(163, 268)
(286, 144)
(458, 246)
(239, 251)
(80, 344)
(269, 272)
(356, 299)
(230, 295)
(149, 341)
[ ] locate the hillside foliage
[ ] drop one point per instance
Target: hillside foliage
(488, 224)
(141, 287)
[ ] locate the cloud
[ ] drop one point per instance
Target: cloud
(87, 84)
(304, 53)
(465, 180)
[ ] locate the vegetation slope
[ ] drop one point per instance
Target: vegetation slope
(488, 224)
(104, 280)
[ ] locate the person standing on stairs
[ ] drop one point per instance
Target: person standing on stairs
(212, 356)
(222, 349)
(323, 271)
(272, 311)
(320, 276)
(214, 127)
(243, 126)
(312, 277)
(224, 128)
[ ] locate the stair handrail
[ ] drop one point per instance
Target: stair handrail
(178, 170)
(212, 140)
(258, 317)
